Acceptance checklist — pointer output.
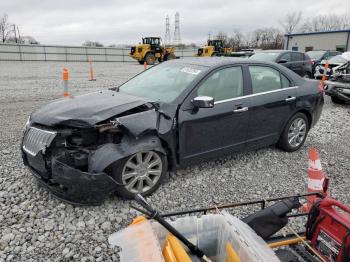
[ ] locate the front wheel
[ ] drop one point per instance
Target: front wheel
(150, 59)
(141, 173)
(294, 133)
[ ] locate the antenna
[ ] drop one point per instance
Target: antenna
(167, 38)
(177, 37)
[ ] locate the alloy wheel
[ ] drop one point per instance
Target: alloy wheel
(297, 132)
(142, 171)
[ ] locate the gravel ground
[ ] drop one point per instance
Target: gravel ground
(34, 226)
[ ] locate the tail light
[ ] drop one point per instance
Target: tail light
(311, 62)
(321, 86)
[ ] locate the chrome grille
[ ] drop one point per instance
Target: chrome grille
(36, 139)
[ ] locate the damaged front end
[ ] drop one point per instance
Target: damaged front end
(338, 87)
(71, 157)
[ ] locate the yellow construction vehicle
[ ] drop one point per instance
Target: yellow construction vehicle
(151, 50)
(214, 48)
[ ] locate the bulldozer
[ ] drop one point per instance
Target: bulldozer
(151, 50)
(214, 48)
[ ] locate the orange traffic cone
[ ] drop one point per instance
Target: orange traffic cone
(91, 71)
(325, 72)
(145, 65)
(317, 182)
(65, 82)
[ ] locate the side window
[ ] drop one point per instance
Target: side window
(266, 79)
(224, 84)
(297, 57)
(286, 57)
(285, 82)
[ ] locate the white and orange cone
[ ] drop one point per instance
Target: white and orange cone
(317, 182)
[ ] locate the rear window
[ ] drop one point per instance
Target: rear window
(297, 57)
(315, 54)
(265, 56)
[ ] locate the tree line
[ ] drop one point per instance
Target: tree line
(9, 33)
(273, 37)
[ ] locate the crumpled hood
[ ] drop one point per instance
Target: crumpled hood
(86, 110)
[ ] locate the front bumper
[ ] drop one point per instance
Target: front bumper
(338, 90)
(72, 185)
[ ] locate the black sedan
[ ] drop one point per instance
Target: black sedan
(125, 139)
(298, 62)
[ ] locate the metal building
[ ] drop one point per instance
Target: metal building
(327, 40)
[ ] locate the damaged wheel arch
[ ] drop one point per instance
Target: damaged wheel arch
(107, 154)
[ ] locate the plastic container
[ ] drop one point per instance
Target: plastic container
(138, 243)
(211, 233)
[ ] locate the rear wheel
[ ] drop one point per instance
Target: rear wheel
(294, 133)
(307, 75)
(141, 173)
(150, 59)
(336, 100)
(169, 57)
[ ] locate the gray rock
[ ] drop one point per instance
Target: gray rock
(106, 225)
(65, 251)
(8, 237)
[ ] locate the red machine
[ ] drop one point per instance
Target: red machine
(328, 229)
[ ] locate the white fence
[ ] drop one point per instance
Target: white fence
(19, 52)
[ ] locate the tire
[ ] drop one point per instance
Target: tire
(307, 75)
(294, 133)
(336, 100)
(121, 171)
(150, 59)
(141, 62)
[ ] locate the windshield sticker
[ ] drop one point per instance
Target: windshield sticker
(190, 71)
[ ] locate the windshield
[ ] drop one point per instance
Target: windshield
(265, 56)
(316, 55)
(337, 60)
(163, 83)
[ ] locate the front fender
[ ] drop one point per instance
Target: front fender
(109, 153)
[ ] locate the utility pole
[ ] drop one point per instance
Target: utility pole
(177, 37)
(14, 30)
(167, 38)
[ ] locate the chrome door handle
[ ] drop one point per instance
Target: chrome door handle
(290, 98)
(241, 109)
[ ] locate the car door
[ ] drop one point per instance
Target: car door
(273, 100)
(208, 132)
(298, 63)
(285, 60)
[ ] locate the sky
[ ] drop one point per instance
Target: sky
(72, 22)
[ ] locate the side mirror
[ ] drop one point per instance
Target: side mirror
(282, 61)
(203, 102)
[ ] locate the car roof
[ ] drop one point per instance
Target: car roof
(217, 61)
(278, 51)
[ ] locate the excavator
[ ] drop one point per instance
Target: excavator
(151, 50)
